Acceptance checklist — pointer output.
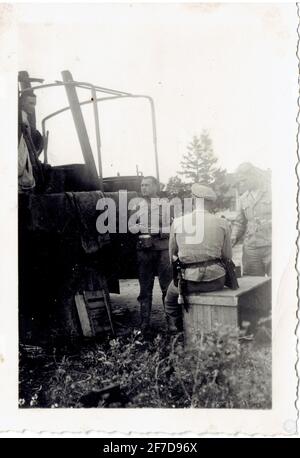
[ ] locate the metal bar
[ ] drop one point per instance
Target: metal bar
(102, 99)
(154, 136)
(42, 86)
(111, 91)
(85, 85)
(70, 86)
(77, 84)
(80, 125)
(86, 102)
(98, 139)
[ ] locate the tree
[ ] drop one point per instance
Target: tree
(200, 165)
(176, 187)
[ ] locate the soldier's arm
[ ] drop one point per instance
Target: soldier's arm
(227, 247)
(133, 221)
(173, 247)
(239, 225)
(137, 217)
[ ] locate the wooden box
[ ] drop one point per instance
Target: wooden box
(228, 307)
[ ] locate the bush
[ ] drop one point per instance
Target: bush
(217, 373)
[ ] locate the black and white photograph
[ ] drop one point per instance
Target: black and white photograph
(155, 193)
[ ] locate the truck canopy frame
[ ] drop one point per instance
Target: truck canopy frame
(75, 107)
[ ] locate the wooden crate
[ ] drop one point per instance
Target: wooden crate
(227, 307)
(92, 313)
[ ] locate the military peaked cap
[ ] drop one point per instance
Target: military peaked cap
(199, 190)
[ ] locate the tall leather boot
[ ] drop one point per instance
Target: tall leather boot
(174, 325)
(145, 316)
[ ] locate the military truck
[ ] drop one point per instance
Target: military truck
(66, 268)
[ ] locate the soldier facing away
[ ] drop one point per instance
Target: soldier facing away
(199, 252)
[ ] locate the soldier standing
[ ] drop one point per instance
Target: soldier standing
(153, 227)
(254, 220)
(30, 169)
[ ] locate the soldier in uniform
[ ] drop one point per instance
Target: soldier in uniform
(30, 169)
(199, 254)
(153, 228)
(254, 220)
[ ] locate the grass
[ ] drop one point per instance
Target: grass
(219, 372)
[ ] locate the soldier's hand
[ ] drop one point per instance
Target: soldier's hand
(233, 241)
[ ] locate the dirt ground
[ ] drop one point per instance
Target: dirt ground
(126, 303)
(63, 375)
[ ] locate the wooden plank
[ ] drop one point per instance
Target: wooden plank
(227, 307)
(94, 300)
(207, 317)
(248, 283)
(80, 126)
(25, 83)
(83, 315)
(93, 295)
(201, 299)
(228, 297)
(98, 321)
(226, 316)
(99, 311)
(96, 310)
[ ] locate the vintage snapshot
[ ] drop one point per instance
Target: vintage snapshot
(154, 166)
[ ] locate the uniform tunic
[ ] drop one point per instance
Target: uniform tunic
(254, 219)
(212, 242)
(254, 222)
(153, 219)
(26, 179)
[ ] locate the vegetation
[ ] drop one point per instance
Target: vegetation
(200, 165)
(220, 372)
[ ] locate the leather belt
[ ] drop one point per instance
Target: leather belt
(207, 263)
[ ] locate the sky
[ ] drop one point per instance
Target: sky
(227, 68)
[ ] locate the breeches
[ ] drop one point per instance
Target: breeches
(257, 261)
(173, 309)
(151, 263)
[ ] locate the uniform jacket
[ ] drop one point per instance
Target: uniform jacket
(211, 242)
(152, 216)
(30, 169)
(26, 179)
(254, 219)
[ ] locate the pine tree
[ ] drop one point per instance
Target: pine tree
(176, 187)
(200, 165)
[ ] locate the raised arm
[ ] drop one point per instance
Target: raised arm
(239, 226)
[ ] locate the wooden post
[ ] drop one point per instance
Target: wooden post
(80, 125)
(25, 83)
